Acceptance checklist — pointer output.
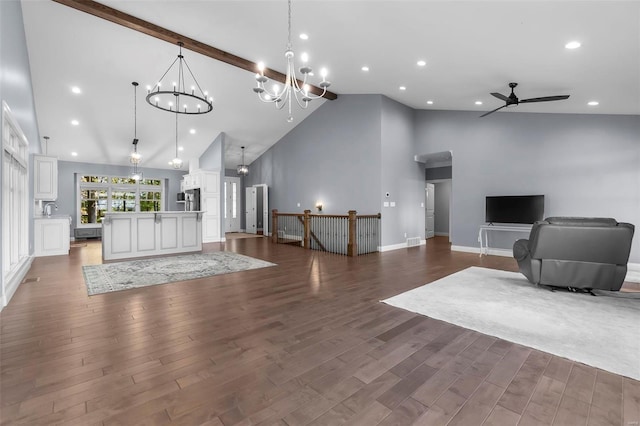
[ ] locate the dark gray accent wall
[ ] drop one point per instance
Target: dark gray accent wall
(333, 156)
(435, 173)
(441, 207)
(67, 194)
(585, 165)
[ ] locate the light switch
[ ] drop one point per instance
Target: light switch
(298, 204)
(386, 204)
(393, 204)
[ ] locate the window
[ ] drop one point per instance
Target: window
(101, 194)
(15, 200)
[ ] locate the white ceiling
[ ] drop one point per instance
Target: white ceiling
(471, 48)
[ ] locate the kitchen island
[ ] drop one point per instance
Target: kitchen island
(129, 235)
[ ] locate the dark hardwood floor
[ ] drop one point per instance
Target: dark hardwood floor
(306, 342)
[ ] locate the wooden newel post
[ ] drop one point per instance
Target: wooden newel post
(352, 245)
(307, 230)
(274, 226)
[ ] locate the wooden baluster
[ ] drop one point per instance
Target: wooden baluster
(352, 245)
(307, 230)
(274, 225)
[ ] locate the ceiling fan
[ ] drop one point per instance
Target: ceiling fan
(512, 99)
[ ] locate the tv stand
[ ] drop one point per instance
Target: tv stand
(484, 229)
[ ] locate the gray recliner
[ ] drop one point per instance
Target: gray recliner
(574, 252)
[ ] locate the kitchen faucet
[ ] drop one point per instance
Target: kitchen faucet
(47, 208)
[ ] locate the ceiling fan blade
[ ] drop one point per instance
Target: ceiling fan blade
(491, 112)
(545, 99)
(500, 96)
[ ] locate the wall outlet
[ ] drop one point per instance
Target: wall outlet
(393, 204)
(405, 235)
(298, 204)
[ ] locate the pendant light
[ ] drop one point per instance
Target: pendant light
(243, 169)
(135, 157)
(176, 162)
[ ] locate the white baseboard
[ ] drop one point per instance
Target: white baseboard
(442, 234)
(491, 251)
(13, 281)
(399, 246)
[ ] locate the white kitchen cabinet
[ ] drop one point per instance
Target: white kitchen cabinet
(45, 178)
(51, 236)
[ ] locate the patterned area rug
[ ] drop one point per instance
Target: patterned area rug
(118, 276)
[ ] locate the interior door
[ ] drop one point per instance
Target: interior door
(232, 204)
(429, 211)
(250, 210)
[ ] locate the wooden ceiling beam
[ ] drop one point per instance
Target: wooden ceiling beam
(113, 15)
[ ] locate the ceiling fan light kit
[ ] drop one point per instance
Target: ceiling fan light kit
(512, 99)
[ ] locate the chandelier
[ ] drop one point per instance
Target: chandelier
(135, 158)
(180, 96)
(176, 163)
(293, 88)
(243, 169)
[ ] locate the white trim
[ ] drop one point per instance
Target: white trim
(490, 251)
(14, 279)
(399, 246)
(633, 267)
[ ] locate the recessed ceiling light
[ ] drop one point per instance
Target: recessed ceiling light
(429, 102)
(76, 90)
(192, 131)
(365, 68)
(478, 102)
(572, 45)
(422, 63)
(75, 122)
(593, 103)
(304, 36)
(180, 148)
(402, 88)
(74, 154)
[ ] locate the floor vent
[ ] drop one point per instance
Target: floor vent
(412, 242)
(31, 280)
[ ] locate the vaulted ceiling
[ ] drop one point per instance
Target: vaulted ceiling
(471, 48)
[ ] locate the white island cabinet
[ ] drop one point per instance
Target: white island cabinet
(130, 235)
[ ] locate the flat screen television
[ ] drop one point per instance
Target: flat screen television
(514, 209)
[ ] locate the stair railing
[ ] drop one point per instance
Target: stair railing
(350, 234)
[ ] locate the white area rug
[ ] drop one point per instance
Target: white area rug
(108, 277)
(602, 331)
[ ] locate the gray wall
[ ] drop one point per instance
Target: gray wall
(15, 87)
(585, 165)
(213, 160)
(401, 176)
(67, 195)
(333, 156)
